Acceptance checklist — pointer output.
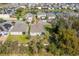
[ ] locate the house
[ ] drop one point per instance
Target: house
(51, 7)
(41, 15)
(73, 14)
(4, 16)
(29, 17)
(45, 7)
(64, 6)
(3, 31)
(37, 29)
(51, 16)
(32, 5)
(39, 7)
(7, 17)
(4, 28)
(7, 25)
(23, 7)
(77, 6)
(21, 28)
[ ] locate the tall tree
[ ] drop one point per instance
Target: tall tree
(64, 40)
(20, 12)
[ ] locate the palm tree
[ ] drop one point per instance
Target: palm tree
(30, 22)
(29, 28)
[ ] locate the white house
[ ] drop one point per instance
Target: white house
(51, 15)
(41, 15)
(29, 17)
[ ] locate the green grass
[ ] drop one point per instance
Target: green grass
(19, 38)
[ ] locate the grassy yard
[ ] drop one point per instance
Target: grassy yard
(19, 38)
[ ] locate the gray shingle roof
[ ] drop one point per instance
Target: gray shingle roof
(5, 26)
(37, 28)
(22, 27)
(3, 29)
(19, 27)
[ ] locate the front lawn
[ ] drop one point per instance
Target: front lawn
(19, 38)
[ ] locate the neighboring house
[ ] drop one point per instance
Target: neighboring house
(77, 6)
(29, 17)
(3, 31)
(73, 14)
(41, 15)
(23, 6)
(51, 8)
(7, 25)
(45, 7)
(4, 16)
(7, 17)
(64, 7)
(50, 16)
(4, 28)
(39, 8)
(31, 5)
